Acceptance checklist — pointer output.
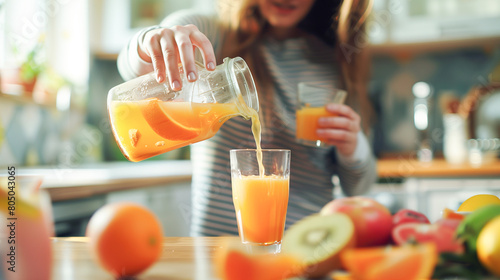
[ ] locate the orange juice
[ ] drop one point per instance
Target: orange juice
(151, 127)
(261, 203)
(307, 122)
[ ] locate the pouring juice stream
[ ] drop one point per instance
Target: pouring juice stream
(256, 131)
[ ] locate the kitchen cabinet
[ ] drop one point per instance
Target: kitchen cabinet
(76, 193)
(431, 186)
(171, 202)
(431, 195)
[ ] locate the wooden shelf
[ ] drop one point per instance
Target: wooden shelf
(405, 167)
(105, 55)
(391, 48)
(23, 99)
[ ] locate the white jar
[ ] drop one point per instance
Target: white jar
(454, 142)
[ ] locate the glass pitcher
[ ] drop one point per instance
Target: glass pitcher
(148, 118)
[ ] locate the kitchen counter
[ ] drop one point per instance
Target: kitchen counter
(93, 179)
(410, 167)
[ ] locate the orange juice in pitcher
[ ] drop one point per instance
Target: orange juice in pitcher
(149, 118)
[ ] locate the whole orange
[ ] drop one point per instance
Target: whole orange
(125, 238)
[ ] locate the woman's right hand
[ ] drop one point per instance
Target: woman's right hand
(167, 47)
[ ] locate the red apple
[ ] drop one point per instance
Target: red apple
(372, 220)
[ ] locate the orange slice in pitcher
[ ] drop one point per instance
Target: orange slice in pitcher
(415, 262)
(164, 125)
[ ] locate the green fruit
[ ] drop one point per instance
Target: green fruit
(318, 241)
(471, 226)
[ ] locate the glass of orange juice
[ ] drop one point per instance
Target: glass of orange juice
(260, 196)
(311, 106)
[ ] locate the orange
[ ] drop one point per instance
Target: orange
(125, 238)
(415, 262)
(450, 214)
(477, 201)
(155, 113)
(232, 263)
(488, 246)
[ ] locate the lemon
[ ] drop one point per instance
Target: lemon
(477, 201)
(488, 246)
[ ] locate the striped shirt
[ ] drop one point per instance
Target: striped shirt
(290, 61)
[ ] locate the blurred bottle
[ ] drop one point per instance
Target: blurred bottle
(421, 108)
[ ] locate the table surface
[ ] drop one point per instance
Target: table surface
(182, 258)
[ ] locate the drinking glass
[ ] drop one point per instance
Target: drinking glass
(260, 199)
(311, 106)
(26, 211)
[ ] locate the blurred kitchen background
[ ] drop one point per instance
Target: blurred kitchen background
(434, 62)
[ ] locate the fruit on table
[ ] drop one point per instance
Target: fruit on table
(372, 220)
(415, 262)
(450, 223)
(488, 246)
(409, 216)
(125, 238)
(318, 241)
(450, 214)
(471, 226)
(477, 201)
(233, 263)
(441, 235)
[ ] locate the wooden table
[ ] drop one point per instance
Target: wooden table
(182, 258)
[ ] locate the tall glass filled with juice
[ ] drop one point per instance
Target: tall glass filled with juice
(260, 185)
(148, 118)
(311, 106)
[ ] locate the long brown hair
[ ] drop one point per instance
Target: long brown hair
(340, 23)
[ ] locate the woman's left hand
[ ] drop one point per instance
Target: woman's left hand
(342, 129)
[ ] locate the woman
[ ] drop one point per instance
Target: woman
(284, 42)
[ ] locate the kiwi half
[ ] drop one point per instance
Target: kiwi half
(318, 240)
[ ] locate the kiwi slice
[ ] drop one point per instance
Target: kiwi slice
(318, 240)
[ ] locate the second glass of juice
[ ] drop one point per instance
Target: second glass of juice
(312, 100)
(260, 196)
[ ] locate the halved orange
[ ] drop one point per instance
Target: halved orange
(232, 263)
(477, 201)
(163, 124)
(411, 262)
(450, 214)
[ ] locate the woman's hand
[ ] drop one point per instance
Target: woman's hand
(342, 129)
(167, 47)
